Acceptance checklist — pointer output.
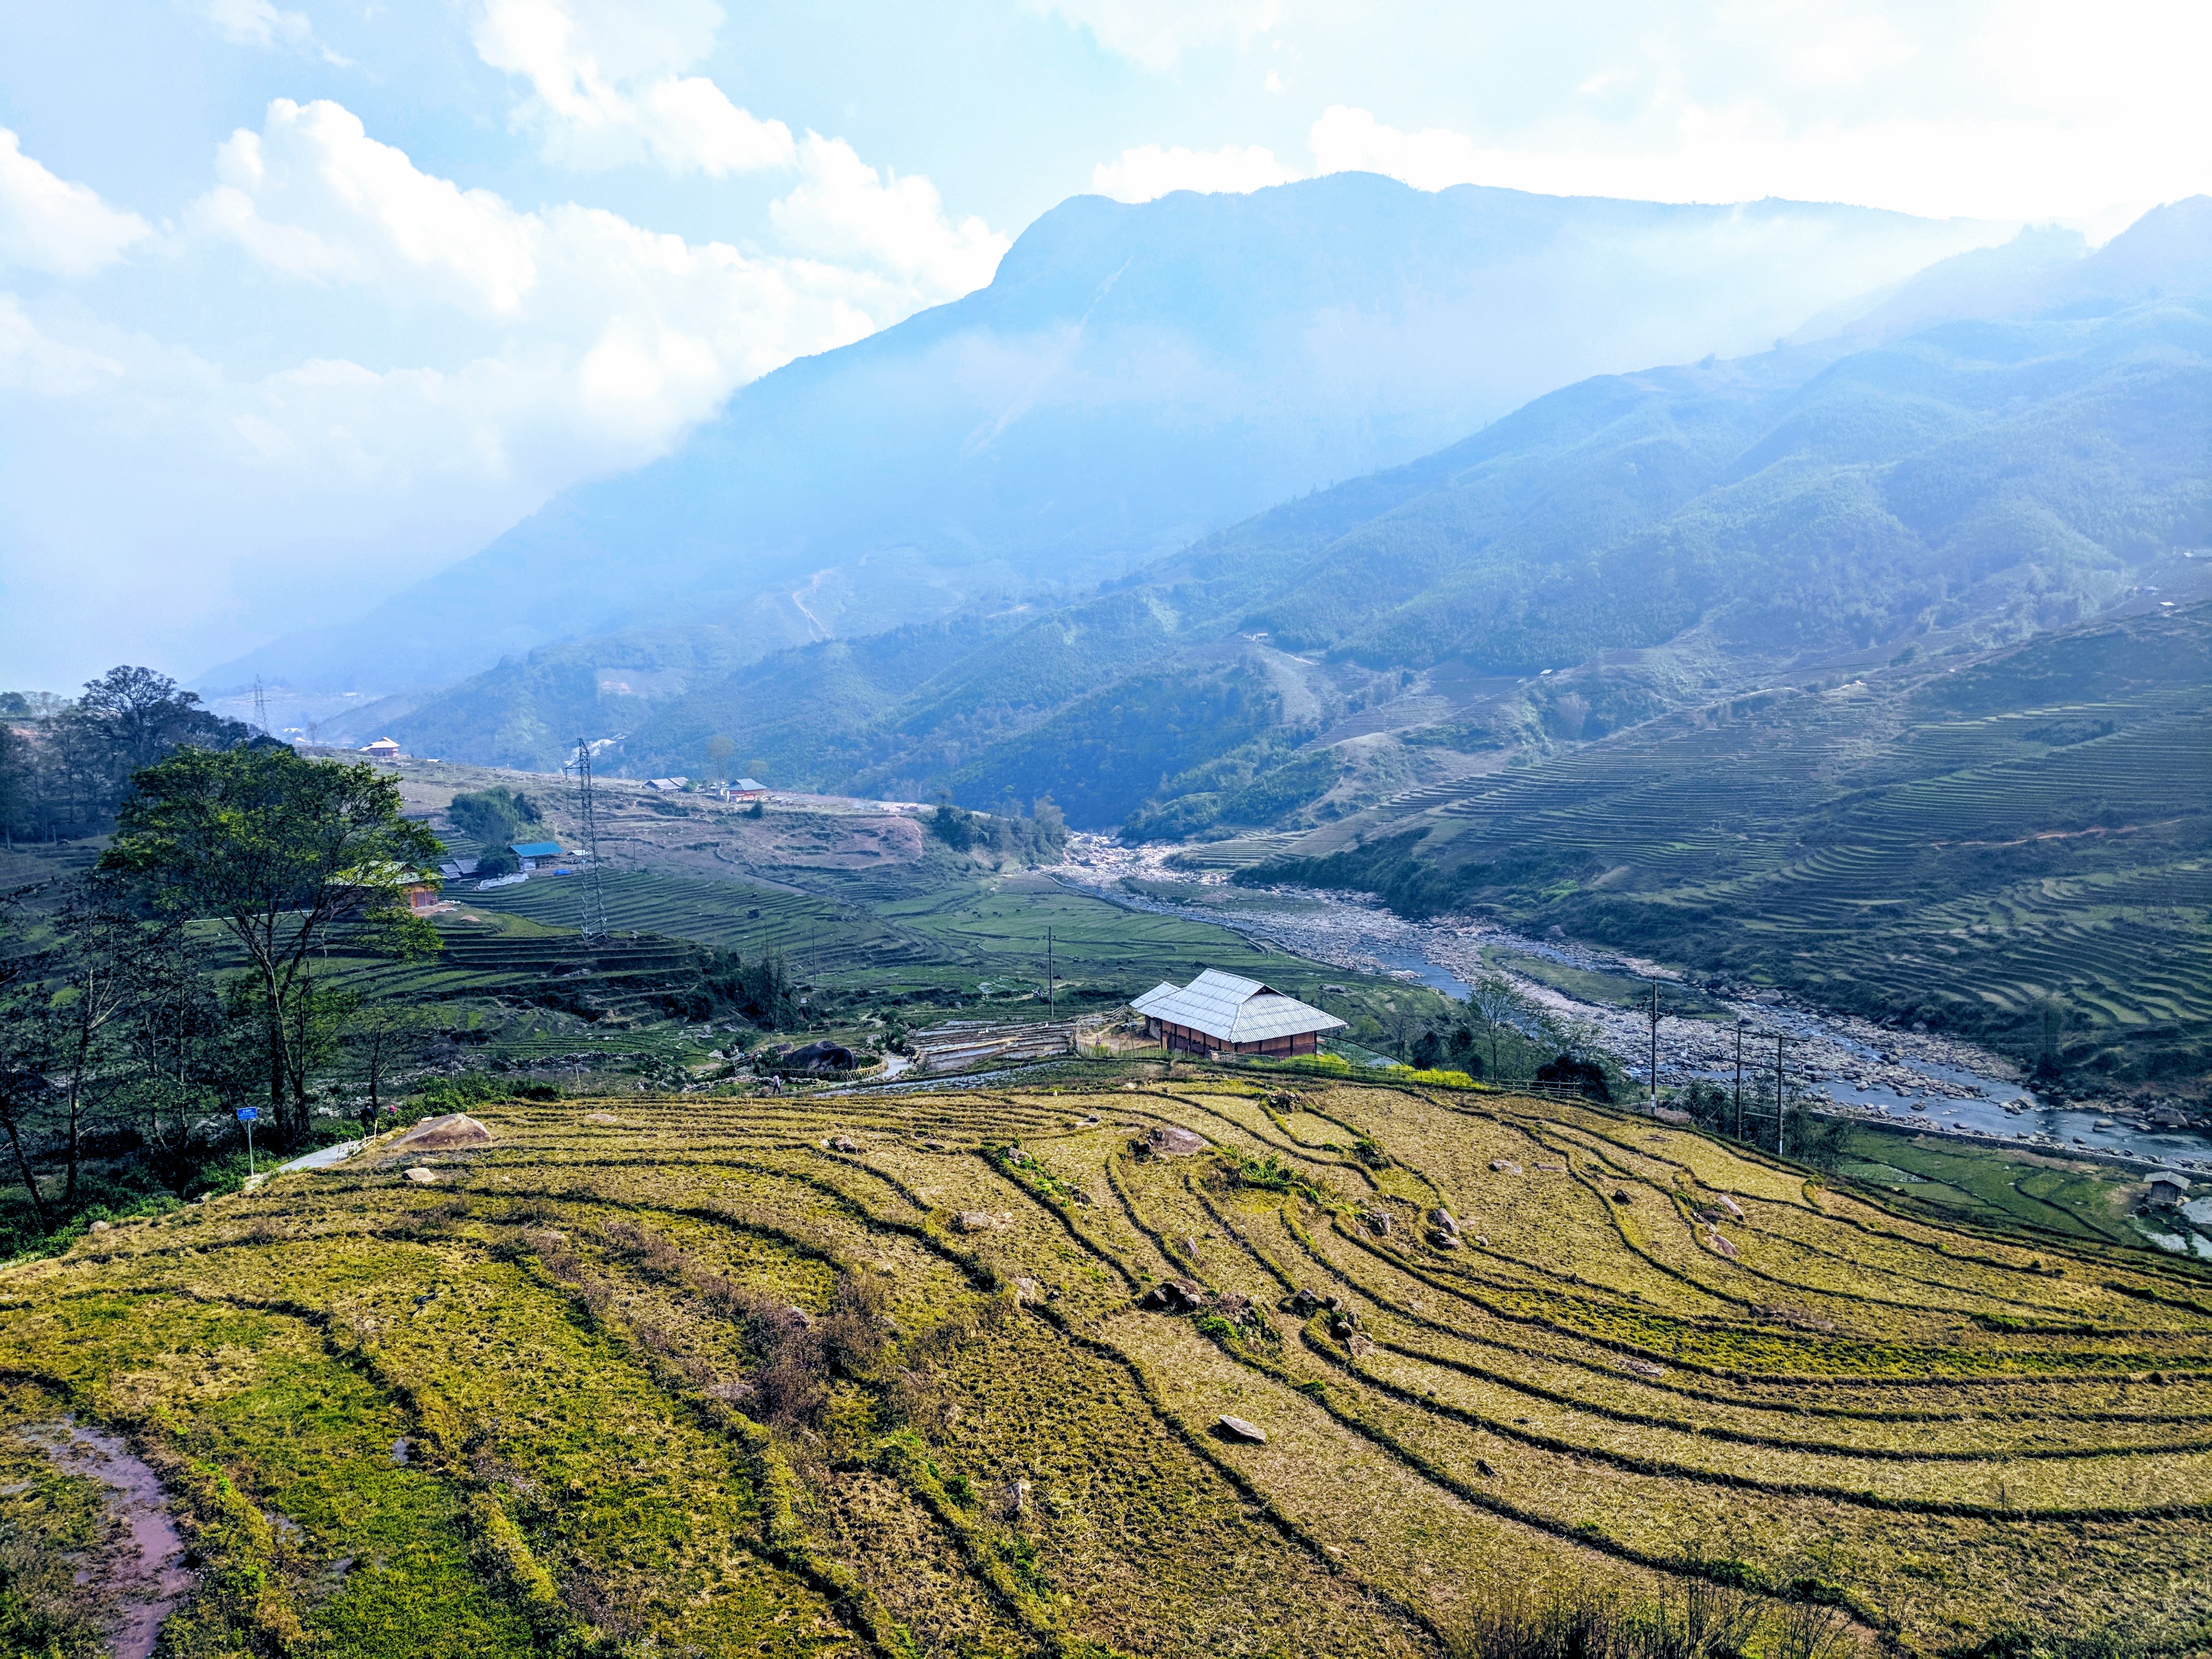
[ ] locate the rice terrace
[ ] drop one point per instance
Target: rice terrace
(1191, 1363)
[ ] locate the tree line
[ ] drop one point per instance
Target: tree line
(184, 968)
(65, 766)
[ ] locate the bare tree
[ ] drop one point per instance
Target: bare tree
(1496, 1002)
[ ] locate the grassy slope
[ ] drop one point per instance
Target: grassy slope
(1590, 1392)
(1962, 846)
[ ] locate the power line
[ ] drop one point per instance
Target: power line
(260, 706)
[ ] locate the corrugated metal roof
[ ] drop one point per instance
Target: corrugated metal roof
(1232, 1009)
(536, 849)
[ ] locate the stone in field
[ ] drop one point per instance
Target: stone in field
(1177, 1295)
(422, 1176)
(1236, 1428)
(1504, 1166)
(454, 1129)
(608, 1118)
(1376, 1221)
(973, 1221)
(1167, 1140)
(1444, 1220)
(843, 1144)
(1028, 1291)
(1730, 1206)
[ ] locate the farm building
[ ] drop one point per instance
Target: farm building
(667, 786)
(2168, 1191)
(1219, 1013)
(746, 789)
(536, 853)
(382, 748)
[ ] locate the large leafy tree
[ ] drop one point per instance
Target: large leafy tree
(280, 850)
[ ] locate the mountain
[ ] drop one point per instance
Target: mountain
(1133, 377)
(1623, 546)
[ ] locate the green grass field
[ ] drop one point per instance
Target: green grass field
(557, 1399)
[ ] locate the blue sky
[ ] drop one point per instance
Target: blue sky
(298, 303)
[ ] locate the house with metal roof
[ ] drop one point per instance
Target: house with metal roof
(1219, 1013)
(535, 853)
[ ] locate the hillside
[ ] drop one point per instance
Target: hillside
(1690, 530)
(644, 1377)
(1973, 841)
(1133, 378)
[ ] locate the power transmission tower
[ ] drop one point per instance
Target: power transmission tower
(594, 927)
(260, 706)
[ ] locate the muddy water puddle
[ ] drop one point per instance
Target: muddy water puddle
(147, 1579)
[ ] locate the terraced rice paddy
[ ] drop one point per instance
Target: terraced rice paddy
(559, 1396)
(1973, 847)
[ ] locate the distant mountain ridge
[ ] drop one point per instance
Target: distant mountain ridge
(1133, 377)
(1670, 532)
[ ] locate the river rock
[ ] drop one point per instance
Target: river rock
(1236, 1428)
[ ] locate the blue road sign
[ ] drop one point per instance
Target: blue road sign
(247, 1114)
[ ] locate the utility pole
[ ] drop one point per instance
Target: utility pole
(1778, 1041)
(261, 710)
(1051, 1001)
(1739, 1077)
(593, 930)
(1654, 1048)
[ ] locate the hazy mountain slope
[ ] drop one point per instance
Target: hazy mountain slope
(1133, 378)
(1976, 480)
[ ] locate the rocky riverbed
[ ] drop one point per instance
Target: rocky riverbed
(1848, 1065)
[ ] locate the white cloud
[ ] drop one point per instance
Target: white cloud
(574, 343)
(1157, 33)
(53, 225)
(259, 23)
(1143, 173)
(313, 195)
(605, 93)
(843, 209)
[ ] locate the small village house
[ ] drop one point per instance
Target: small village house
(1217, 1014)
(383, 748)
(535, 854)
(747, 790)
(2168, 1191)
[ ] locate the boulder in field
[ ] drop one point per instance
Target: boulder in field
(1376, 1221)
(1170, 1141)
(973, 1221)
(423, 1177)
(843, 1144)
(1176, 1295)
(1236, 1428)
(437, 1133)
(1504, 1166)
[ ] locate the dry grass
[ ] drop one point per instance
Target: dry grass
(697, 1383)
